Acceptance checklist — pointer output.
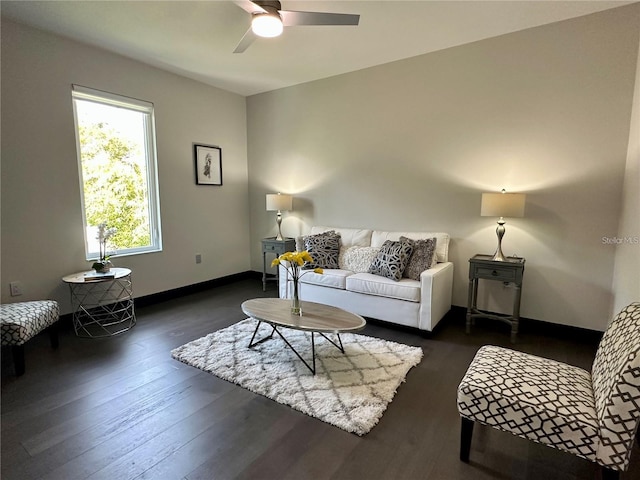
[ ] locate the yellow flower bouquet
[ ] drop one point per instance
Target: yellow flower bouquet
(293, 263)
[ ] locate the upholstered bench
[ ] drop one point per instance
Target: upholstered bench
(23, 320)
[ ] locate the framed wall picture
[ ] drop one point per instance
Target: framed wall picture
(208, 159)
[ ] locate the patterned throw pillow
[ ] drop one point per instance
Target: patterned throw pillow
(357, 259)
(324, 248)
(421, 258)
(300, 239)
(392, 259)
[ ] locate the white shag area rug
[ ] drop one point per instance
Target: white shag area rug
(350, 390)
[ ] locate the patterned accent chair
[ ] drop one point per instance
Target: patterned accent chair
(21, 321)
(592, 415)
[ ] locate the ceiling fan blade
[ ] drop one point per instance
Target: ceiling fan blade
(290, 18)
(249, 6)
(247, 40)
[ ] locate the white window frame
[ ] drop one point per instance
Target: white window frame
(114, 100)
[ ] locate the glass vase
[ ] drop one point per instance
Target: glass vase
(103, 266)
(296, 308)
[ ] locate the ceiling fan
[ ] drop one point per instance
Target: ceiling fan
(268, 20)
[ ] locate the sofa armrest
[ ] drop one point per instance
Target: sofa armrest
(436, 290)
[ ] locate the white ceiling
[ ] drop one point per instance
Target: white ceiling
(196, 38)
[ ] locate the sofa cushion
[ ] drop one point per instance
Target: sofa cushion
(392, 259)
(370, 284)
(378, 237)
(333, 278)
(22, 320)
(349, 237)
(422, 258)
(537, 398)
(357, 259)
(324, 248)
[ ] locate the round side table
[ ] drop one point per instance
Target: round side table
(102, 306)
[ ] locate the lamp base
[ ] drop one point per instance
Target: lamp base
(279, 222)
(499, 256)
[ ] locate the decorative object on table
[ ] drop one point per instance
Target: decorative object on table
(278, 202)
(350, 391)
(208, 160)
(295, 262)
(103, 264)
(502, 205)
(95, 276)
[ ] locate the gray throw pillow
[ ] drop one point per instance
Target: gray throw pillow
(421, 257)
(324, 248)
(392, 259)
(300, 239)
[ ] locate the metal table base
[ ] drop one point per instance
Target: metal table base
(102, 308)
(311, 367)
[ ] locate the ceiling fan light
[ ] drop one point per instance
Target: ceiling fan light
(266, 25)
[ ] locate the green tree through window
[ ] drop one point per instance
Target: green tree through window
(117, 170)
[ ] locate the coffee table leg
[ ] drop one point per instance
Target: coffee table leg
(251, 344)
(311, 367)
(313, 350)
(339, 347)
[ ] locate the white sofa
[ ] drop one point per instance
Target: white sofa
(415, 303)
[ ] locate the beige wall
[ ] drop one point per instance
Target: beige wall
(407, 146)
(42, 236)
(411, 145)
(626, 281)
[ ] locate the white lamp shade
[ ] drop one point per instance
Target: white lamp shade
(502, 205)
(279, 201)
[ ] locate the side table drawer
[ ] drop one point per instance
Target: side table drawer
(496, 273)
(271, 247)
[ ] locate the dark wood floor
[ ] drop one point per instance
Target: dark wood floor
(121, 408)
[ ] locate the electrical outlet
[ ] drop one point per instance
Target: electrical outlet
(16, 288)
(198, 258)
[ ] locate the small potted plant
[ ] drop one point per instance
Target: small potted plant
(103, 264)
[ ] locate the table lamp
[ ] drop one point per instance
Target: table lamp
(502, 205)
(278, 202)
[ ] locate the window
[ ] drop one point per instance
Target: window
(115, 139)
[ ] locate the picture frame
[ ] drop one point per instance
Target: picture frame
(208, 164)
